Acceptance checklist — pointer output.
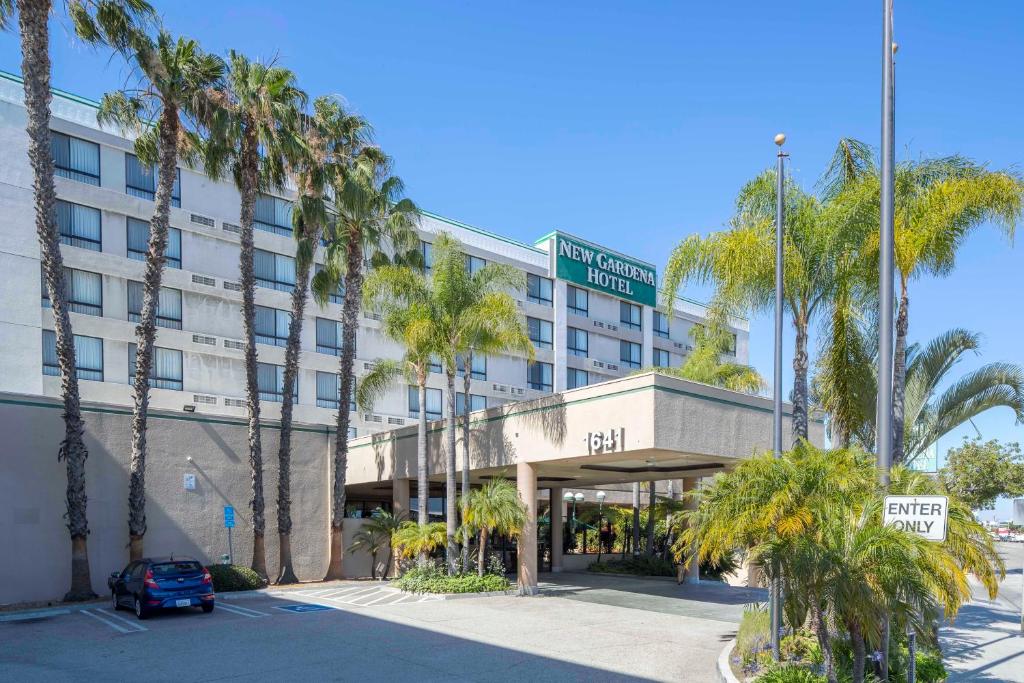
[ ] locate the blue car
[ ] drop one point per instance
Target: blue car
(157, 583)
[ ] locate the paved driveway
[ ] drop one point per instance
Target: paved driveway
(581, 627)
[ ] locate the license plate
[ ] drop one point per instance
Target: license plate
(183, 603)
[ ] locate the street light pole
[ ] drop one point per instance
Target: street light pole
(775, 596)
(600, 522)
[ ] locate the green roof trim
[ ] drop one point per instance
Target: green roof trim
(481, 231)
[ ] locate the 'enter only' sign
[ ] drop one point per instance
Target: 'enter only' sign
(921, 515)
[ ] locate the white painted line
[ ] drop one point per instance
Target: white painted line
(111, 624)
(111, 615)
(382, 599)
(337, 593)
(360, 592)
(370, 597)
(243, 611)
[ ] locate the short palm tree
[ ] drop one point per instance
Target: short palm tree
(330, 136)
(118, 24)
(372, 219)
(374, 537)
(252, 136)
(418, 540)
(495, 507)
(939, 203)
(471, 312)
(176, 79)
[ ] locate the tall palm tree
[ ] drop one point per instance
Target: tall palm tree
(470, 310)
(372, 220)
(939, 203)
(402, 295)
(740, 262)
(253, 136)
(176, 79)
(495, 507)
(331, 137)
(116, 25)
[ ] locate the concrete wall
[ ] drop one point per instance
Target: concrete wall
(36, 564)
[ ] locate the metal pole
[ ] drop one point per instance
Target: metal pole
(231, 552)
(911, 656)
(775, 597)
(600, 515)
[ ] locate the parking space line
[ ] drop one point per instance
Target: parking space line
(349, 590)
(134, 628)
(382, 598)
(109, 613)
(243, 611)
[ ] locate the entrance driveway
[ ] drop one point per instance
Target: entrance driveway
(581, 627)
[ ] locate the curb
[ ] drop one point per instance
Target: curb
(454, 596)
(725, 674)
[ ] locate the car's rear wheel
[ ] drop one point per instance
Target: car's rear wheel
(140, 611)
(207, 608)
(113, 600)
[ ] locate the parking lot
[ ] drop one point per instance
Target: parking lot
(358, 630)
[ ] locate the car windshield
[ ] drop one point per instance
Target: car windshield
(175, 568)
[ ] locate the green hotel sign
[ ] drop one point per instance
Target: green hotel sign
(590, 266)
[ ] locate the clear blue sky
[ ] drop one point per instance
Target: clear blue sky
(635, 123)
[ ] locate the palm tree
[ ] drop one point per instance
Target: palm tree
(116, 25)
(176, 79)
(471, 311)
(254, 135)
(418, 540)
(939, 202)
(740, 262)
(372, 218)
(330, 136)
(495, 507)
(375, 536)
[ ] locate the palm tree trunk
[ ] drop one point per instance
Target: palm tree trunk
(899, 374)
(284, 452)
(349, 330)
(145, 332)
(800, 379)
(859, 650)
(650, 519)
(35, 69)
(825, 641)
(636, 519)
(481, 557)
(451, 512)
(423, 471)
(467, 363)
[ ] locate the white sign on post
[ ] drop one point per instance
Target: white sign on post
(921, 515)
(189, 482)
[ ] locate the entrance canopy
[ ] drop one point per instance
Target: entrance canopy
(637, 428)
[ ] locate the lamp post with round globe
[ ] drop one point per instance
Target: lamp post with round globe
(601, 495)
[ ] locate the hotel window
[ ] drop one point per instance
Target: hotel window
(166, 370)
(138, 243)
(328, 391)
(273, 214)
(328, 336)
(88, 356)
(75, 159)
(474, 263)
(660, 325)
(84, 292)
(272, 326)
(275, 271)
(141, 181)
(427, 249)
(476, 402)
(338, 295)
(629, 315)
(168, 305)
(538, 376)
(629, 353)
(577, 301)
(732, 344)
(478, 369)
(79, 226)
(434, 405)
(270, 380)
(435, 365)
(662, 359)
(538, 289)
(577, 342)
(540, 332)
(576, 378)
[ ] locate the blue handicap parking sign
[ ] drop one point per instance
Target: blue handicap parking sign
(303, 607)
(229, 516)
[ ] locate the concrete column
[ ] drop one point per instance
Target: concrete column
(560, 331)
(526, 482)
(691, 573)
(400, 497)
(556, 529)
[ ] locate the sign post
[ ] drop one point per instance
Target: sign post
(229, 523)
(922, 515)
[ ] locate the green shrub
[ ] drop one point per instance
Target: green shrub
(436, 580)
(802, 647)
(640, 566)
(790, 674)
(231, 577)
(929, 667)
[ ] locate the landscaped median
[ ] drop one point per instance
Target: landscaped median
(435, 581)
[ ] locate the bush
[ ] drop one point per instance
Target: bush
(790, 674)
(929, 667)
(640, 566)
(753, 637)
(802, 647)
(231, 577)
(435, 580)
